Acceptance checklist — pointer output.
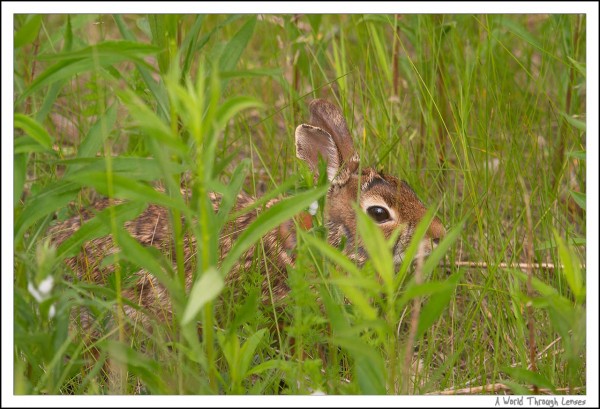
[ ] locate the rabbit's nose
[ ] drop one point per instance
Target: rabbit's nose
(436, 231)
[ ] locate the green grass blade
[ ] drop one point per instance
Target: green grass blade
(125, 188)
(235, 47)
(146, 258)
(28, 31)
(50, 199)
(19, 177)
(204, 290)
(413, 247)
(146, 169)
(148, 370)
(529, 377)
(369, 366)
(377, 248)
(35, 130)
(431, 312)
(97, 227)
(248, 350)
(571, 269)
(440, 251)
(89, 59)
(579, 198)
(268, 220)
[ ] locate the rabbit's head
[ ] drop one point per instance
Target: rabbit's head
(390, 202)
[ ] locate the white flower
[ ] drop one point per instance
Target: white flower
(33, 291)
(46, 286)
(314, 206)
(51, 312)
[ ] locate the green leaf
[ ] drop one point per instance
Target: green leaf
(125, 188)
(333, 254)
(189, 44)
(579, 198)
(577, 154)
(413, 247)
(440, 251)
(571, 268)
(516, 388)
(574, 122)
(96, 136)
(234, 48)
(248, 349)
(436, 305)
(229, 194)
(143, 257)
(272, 217)
(98, 227)
(90, 58)
(428, 288)
(278, 364)
(120, 49)
(245, 312)
(157, 90)
(151, 123)
(580, 67)
(232, 106)
(28, 31)
(50, 199)
(368, 365)
(379, 252)
(204, 290)
(20, 168)
(162, 34)
(253, 73)
(550, 244)
(34, 129)
(521, 32)
(26, 144)
(529, 377)
(148, 370)
(147, 169)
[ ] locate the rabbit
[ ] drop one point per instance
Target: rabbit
(389, 201)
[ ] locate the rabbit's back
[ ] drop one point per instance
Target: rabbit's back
(153, 228)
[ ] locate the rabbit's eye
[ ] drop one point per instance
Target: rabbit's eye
(379, 214)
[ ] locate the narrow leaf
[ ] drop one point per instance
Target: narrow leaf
(143, 257)
(379, 252)
(20, 168)
(529, 377)
(235, 47)
(269, 219)
(248, 349)
(52, 198)
(125, 188)
(571, 269)
(436, 305)
(579, 198)
(28, 31)
(34, 129)
(205, 289)
(580, 125)
(97, 227)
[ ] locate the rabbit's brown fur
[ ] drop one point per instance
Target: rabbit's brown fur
(326, 136)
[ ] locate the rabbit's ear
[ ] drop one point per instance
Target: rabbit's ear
(311, 142)
(329, 117)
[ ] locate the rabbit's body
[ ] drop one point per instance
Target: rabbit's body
(389, 201)
(153, 228)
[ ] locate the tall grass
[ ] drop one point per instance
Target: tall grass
(483, 115)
